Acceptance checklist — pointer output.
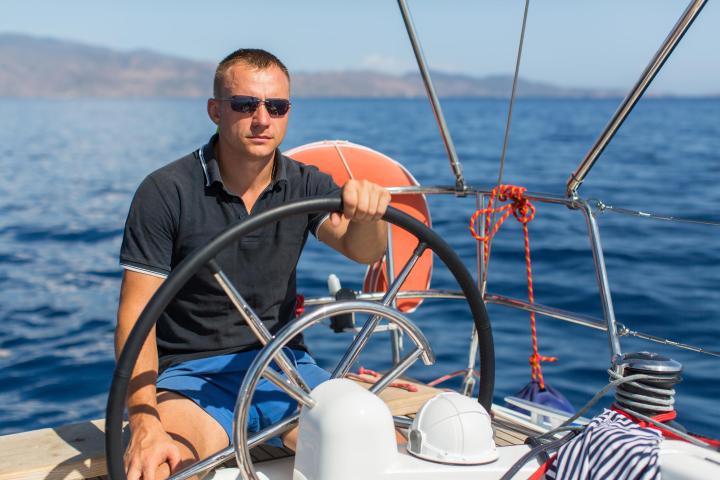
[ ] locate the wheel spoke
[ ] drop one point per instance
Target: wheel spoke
(260, 437)
(273, 430)
(256, 325)
(402, 422)
(288, 387)
(395, 334)
(396, 371)
(362, 338)
(394, 287)
(212, 461)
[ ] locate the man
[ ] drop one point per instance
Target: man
(201, 346)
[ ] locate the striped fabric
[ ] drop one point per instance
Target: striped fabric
(610, 447)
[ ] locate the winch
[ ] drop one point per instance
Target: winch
(652, 395)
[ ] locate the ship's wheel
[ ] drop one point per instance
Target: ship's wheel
(292, 381)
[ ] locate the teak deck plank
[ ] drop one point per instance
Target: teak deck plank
(262, 453)
(507, 433)
(70, 452)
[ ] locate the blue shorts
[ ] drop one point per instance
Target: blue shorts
(213, 384)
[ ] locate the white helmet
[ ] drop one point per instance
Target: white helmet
(452, 428)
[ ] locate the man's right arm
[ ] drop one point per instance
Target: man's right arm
(150, 445)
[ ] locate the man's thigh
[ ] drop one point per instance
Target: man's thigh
(196, 433)
(212, 383)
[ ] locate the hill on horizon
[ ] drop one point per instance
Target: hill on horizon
(32, 66)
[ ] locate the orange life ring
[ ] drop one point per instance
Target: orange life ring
(344, 160)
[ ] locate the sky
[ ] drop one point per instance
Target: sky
(575, 43)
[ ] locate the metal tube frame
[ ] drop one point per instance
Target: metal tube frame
(602, 280)
(445, 190)
(550, 312)
(609, 324)
(468, 383)
(378, 296)
(656, 63)
(518, 304)
(432, 96)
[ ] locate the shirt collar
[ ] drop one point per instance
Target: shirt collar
(211, 169)
(209, 163)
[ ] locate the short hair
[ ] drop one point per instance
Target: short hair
(253, 57)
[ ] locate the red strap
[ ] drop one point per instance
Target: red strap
(662, 418)
(542, 470)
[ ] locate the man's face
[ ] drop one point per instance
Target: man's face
(251, 135)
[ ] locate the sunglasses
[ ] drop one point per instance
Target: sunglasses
(276, 107)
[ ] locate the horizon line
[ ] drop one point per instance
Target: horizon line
(602, 91)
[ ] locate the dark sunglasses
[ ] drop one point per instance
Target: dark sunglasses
(276, 107)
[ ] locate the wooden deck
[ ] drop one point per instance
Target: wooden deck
(77, 451)
(507, 433)
(74, 451)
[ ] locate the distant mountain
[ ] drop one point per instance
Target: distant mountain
(374, 84)
(45, 67)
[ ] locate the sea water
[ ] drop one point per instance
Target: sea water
(70, 167)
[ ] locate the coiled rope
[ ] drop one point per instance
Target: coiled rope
(524, 212)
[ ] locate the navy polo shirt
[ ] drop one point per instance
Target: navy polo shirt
(179, 209)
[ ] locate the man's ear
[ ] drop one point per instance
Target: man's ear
(213, 110)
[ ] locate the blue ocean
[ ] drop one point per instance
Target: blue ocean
(70, 167)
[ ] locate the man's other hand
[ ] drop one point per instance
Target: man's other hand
(363, 202)
(150, 448)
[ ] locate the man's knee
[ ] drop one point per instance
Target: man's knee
(195, 432)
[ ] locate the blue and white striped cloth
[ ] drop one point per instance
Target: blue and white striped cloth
(610, 447)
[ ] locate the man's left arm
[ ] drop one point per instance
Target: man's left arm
(358, 232)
